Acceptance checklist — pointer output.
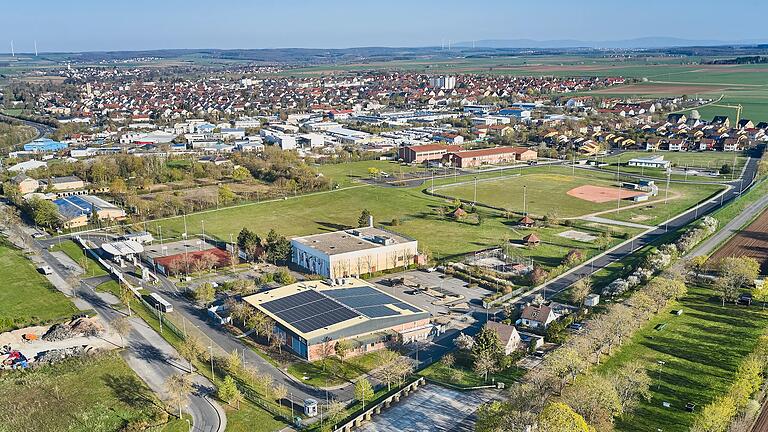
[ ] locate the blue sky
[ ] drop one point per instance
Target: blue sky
(89, 25)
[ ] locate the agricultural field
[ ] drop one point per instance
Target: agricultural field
(92, 394)
(699, 354)
(26, 297)
(752, 241)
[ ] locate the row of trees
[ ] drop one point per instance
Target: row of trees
(275, 248)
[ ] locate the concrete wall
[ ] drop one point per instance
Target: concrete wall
(366, 415)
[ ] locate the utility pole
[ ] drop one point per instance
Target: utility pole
(618, 179)
(525, 209)
(666, 191)
(474, 201)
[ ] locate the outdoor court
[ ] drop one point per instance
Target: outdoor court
(600, 194)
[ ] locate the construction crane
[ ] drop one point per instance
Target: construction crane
(738, 109)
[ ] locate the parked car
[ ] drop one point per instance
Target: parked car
(745, 299)
(577, 326)
(46, 270)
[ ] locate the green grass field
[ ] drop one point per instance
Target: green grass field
(462, 375)
(92, 394)
(701, 349)
(335, 372)
(345, 174)
(89, 265)
(26, 297)
(416, 212)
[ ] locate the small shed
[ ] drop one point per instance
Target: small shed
(532, 240)
(459, 213)
(526, 221)
(592, 300)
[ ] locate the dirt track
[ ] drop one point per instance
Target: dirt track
(751, 242)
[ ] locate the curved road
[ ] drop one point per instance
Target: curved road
(42, 129)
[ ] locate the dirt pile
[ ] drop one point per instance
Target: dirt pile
(75, 328)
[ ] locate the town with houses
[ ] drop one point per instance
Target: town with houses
(498, 241)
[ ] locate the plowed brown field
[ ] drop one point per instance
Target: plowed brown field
(751, 242)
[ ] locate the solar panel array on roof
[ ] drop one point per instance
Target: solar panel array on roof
(71, 207)
(309, 310)
(369, 301)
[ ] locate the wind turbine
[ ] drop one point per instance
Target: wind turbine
(13, 53)
(35, 47)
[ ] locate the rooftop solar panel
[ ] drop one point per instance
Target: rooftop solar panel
(378, 311)
(309, 310)
(369, 301)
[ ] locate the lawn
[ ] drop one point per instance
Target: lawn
(462, 375)
(335, 372)
(416, 213)
(26, 297)
(701, 349)
(699, 161)
(92, 394)
(90, 266)
(251, 418)
(345, 174)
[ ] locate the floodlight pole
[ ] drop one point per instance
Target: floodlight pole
(525, 209)
(666, 191)
(618, 179)
(474, 201)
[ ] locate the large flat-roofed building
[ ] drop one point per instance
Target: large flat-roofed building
(426, 152)
(490, 156)
(656, 161)
(312, 316)
(353, 252)
(77, 210)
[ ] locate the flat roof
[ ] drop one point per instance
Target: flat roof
(175, 248)
(317, 309)
(352, 240)
(122, 248)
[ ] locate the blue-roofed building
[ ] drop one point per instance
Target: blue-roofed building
(77, 210)
(42, 145)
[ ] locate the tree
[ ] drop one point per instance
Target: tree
(464, 342)
(204, 293)
(603, 241)
(278, 248)
(241, 174)
(334, 410)
(233, 362)
(343, 347)
(178, 387)
(122, 327)
(632, 384)
(44, 213)
(126, 296)
(249, 242)
(580, 290)
(716, 416)
(190, 348)
(226, 195)
(363, 390)
(735, 273)
(697, 263)
(229, 393)
(760, 293)
(562, 418)
(538, 275)
(364, 219)
(448, 360)
(565, 365)
(573, 257)
(595, 399)
(279, 392)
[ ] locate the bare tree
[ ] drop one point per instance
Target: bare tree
(178, 387)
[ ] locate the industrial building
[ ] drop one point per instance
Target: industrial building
(312, 316)
(353, 252)
(43, 145)
(75, 211)
(426, 152)
(490, 156)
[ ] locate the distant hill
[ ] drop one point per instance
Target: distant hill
(646, 42)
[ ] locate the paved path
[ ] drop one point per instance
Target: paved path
(614, 222)
(732, 227)
(154, 360)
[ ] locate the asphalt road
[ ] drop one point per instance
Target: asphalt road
(146, 352)
(588, 268)
(42, 129)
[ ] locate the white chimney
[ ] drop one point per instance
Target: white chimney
(370, 221)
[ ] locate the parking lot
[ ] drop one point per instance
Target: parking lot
(417, 280)
(431, 408)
